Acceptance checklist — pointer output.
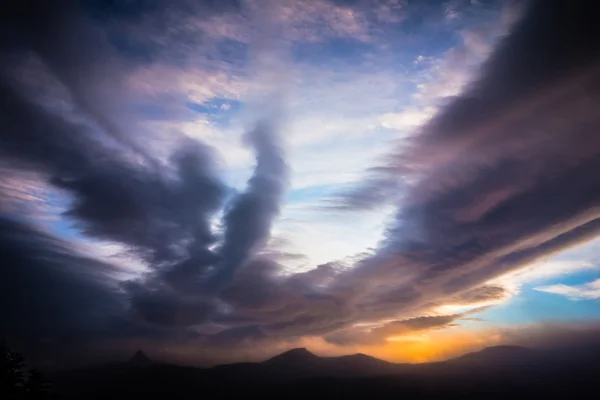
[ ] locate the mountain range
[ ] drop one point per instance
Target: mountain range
(495, 370)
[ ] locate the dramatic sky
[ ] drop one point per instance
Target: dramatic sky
(219, 181)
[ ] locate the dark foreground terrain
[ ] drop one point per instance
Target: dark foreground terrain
(496, 372)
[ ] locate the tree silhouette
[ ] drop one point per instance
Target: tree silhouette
(13, 384)
(12, 380)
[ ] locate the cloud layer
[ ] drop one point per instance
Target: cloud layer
(502, 174)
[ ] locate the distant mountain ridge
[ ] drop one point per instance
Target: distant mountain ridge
(298, 372)
(301, 363)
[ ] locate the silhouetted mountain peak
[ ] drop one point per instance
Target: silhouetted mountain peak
(140, 359)
(299, 355)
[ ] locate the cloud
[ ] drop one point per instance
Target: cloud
(284, 305)
(237, 336)
(438, 81)
(466, 217)
(176, 29)
(485, 294)
(314, 20)
(165, 306)
(181, 294)
(410, 118)
(250, 216)
(504, 287)
(394, 330)
(389, 11)
(503, 174)
(545, 270)
(196, 84)
(478, 178)
(78, 56)
(50, 292)
(26, 194)
(159, 209)
(586, 291)
(113, 197)
(161, 212)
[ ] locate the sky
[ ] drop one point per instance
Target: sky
(219, 181)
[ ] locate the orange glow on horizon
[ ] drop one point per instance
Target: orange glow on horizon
(434, 345)
(417, 348)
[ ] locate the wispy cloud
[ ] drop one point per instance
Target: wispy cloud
(590, 290)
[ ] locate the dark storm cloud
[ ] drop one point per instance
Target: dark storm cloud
(77, 54)
(160, 212)
(182, 294)
(121, 194)
(54, 298)
(165, 306)
(48, 292)
(113, 197)
(144, 209)
(250, 216)
(285, 305)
